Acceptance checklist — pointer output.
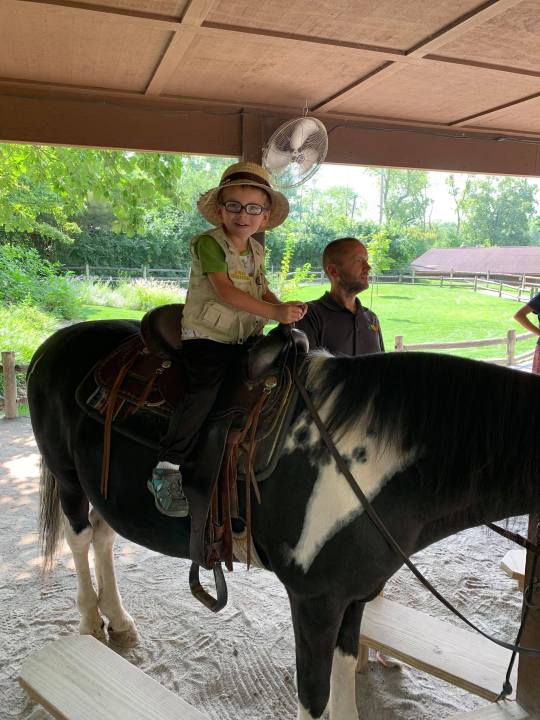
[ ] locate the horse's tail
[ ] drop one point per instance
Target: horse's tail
(51, 527)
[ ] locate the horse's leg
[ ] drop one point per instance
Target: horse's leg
(121, 627)
(316, 623)
(87, 600)
(343, 677)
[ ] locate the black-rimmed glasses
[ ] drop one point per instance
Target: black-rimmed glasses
(233, 206)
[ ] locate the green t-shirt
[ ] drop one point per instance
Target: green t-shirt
(212, 257)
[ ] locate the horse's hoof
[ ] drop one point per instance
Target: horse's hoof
(97, 631)
(124, 638)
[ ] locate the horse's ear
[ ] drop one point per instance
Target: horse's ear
(161, 329)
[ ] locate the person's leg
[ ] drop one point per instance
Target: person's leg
(536, 361)
(205, 362)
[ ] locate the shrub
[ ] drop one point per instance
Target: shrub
(26, 278)
(134, 294)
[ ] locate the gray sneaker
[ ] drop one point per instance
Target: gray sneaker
(166, 487)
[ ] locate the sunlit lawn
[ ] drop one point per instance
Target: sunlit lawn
(433, 314)
(419, 313)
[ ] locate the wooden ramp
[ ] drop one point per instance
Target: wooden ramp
(460, 657)
(497, 711)
(79, 678)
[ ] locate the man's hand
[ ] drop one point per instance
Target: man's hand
(290, 312)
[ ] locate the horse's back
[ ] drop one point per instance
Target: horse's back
(71, 352)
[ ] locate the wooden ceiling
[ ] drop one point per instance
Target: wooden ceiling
(419, 83)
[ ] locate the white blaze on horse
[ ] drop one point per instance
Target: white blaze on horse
(437, 444)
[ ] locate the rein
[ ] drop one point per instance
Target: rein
(381, 527)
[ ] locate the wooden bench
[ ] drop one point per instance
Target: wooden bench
(497, 711)
(461, 657)
(79, 678)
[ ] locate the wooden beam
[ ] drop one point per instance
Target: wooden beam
(493, 112)
(123, 15)
(252, 137)
(462, 25)
(79, 678)
(179, 45)
(426, 149)
(528, 687)
(154, 126)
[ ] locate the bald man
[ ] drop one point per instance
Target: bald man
(337, 321)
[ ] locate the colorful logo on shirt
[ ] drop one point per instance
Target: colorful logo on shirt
(373, 326)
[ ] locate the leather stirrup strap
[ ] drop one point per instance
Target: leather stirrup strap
(109, 416)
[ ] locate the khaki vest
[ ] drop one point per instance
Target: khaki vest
(205, 314)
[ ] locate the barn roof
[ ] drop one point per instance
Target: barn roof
(409, 83)
(522, 260)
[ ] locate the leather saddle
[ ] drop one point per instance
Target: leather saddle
(135, 388)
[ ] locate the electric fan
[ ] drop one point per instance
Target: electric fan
(295, 151)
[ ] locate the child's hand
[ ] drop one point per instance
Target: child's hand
(290, 312)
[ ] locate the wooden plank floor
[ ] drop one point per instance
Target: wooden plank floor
(460, 657)
(79, 678)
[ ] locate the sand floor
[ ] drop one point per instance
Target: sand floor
(238, 665)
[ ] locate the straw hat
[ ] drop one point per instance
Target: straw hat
(245, 173)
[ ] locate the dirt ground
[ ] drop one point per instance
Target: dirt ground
(238, 665)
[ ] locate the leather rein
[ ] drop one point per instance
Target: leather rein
(381, 527)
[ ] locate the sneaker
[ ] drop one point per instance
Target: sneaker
(166, 487)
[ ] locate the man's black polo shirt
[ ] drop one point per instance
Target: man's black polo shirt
(331, 326)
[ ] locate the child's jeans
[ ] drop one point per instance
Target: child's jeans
(206, 363)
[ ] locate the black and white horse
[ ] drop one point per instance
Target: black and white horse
(437, 444)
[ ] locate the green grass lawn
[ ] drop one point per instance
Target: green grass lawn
(105, 312)
(433, 314)
(418, 312)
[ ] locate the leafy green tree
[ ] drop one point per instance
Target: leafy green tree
(498, 211)
(379, 252)
(43, 187)
(403, 196)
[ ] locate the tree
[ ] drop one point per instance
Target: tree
(379, 252)
(497, 211)
(403, 196)
(43, 187)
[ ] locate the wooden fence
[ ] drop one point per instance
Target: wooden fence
(10, 368)
(510, 358)
(518, 287)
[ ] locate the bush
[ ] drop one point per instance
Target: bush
(23, 329)
(134, 294)
(26, 278)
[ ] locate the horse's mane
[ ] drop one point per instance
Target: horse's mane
(470, 420)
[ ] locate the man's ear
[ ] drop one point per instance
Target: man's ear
(331, 270)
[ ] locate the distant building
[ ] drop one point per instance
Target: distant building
(520, 260)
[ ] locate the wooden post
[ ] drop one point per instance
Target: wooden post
(398, 343)
(363, 659)
(10, 385)
(487, 276)
(500, 289)
(442, 278)
(511, 347)
(475, 282)
(412, 276)
(253, 140)
(87, 270)
(528, 694)
(144, 270)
